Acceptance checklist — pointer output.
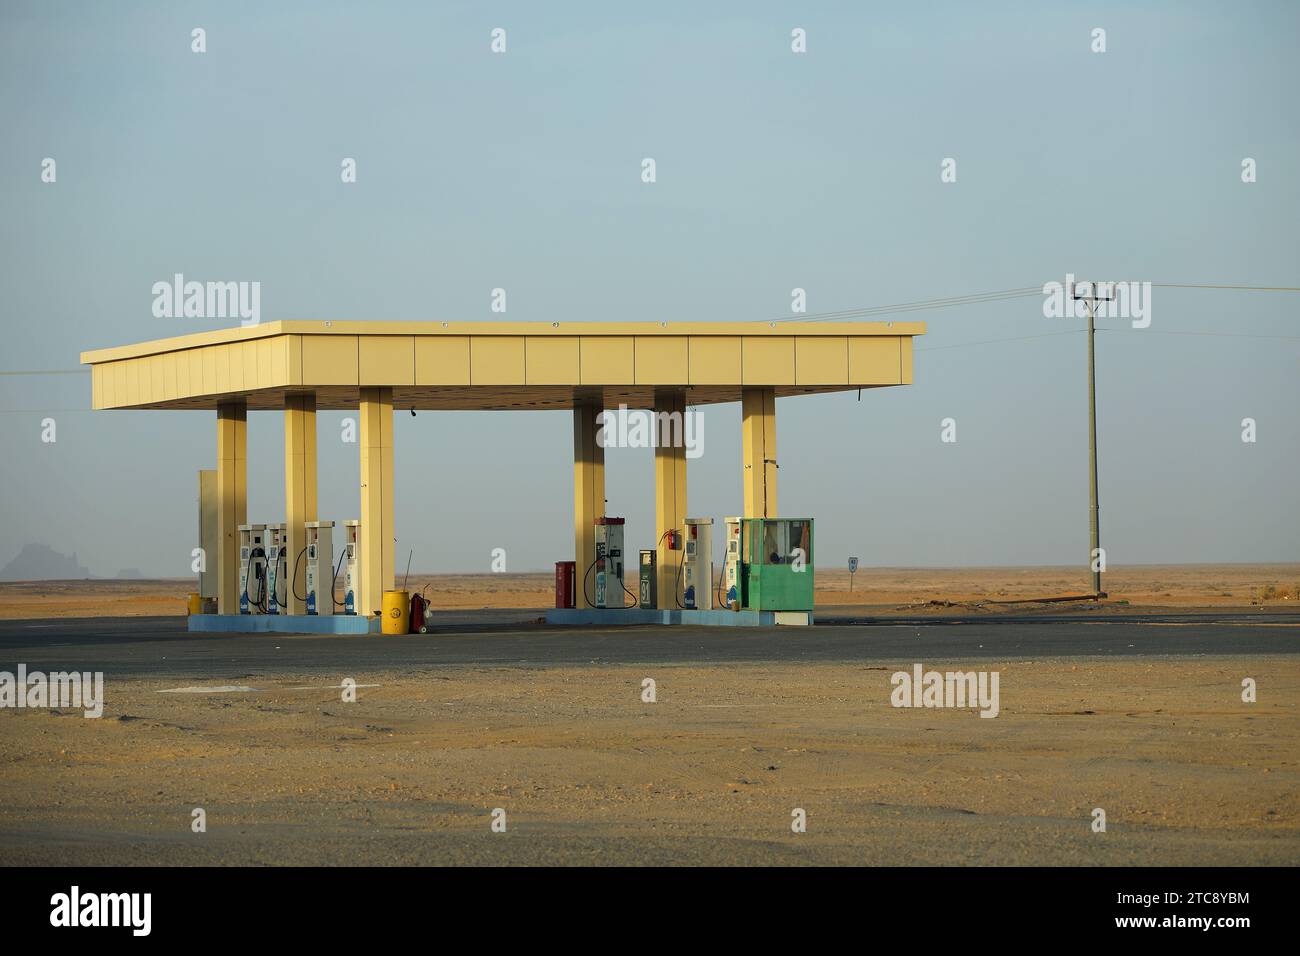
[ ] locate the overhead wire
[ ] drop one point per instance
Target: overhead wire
(976, 298)
(898, 308)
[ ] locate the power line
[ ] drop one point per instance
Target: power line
(1001, 295)
(1227, 335)
(1021, 338)
(916, 306)
(97, 411)
(48, 371)
(1240, 288)
(973, 298)
(1016, 338)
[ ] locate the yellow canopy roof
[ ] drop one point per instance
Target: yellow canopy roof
(500, 365)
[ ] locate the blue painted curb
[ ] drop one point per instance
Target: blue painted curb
(636, 615)
(282, 624)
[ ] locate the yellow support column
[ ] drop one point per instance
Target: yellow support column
(376, 533)
(588, 496)
(758, 429)
(232, 500)
(299, 491)
(670, 490)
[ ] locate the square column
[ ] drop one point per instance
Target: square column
(232, 500)
(758, 452)
(375, 537)
(670, 490)
(299, 491)
(588, 496)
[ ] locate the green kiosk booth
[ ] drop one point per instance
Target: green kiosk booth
(769, 564)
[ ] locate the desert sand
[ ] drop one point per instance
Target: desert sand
(710, 773)
(586, 772)
(887, 589)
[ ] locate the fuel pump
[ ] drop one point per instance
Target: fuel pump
(275, 567)
(731, 597)
(320, 567)
(351, 554)
(649, 580)
(609, 562)
(697, 565)
(252, 568)
(280, 593)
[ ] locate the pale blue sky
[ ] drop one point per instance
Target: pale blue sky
(775, 170)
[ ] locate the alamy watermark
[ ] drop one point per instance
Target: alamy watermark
(960, 689)
(75, 908)
(640, 428)
(207, 300)
(1110, 300)
(35, 689)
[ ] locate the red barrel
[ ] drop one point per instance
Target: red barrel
(564, 575)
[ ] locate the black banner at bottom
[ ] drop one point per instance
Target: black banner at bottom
(330, 904)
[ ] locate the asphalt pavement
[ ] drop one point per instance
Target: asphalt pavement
(161, 646)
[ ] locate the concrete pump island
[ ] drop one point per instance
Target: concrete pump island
(305, 574)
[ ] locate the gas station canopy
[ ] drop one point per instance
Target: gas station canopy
(297, 368)
(500, 365)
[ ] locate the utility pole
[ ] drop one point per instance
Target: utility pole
(1091, 299)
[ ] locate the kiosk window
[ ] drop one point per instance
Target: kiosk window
(775, 549)
(800, 536)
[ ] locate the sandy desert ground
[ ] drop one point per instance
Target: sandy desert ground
(886, 589)
(709, 774)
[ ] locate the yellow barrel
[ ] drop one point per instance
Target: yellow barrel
(397, 612)
(195, 604)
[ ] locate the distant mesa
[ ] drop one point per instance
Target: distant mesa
(131, 573)
(40, 562)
